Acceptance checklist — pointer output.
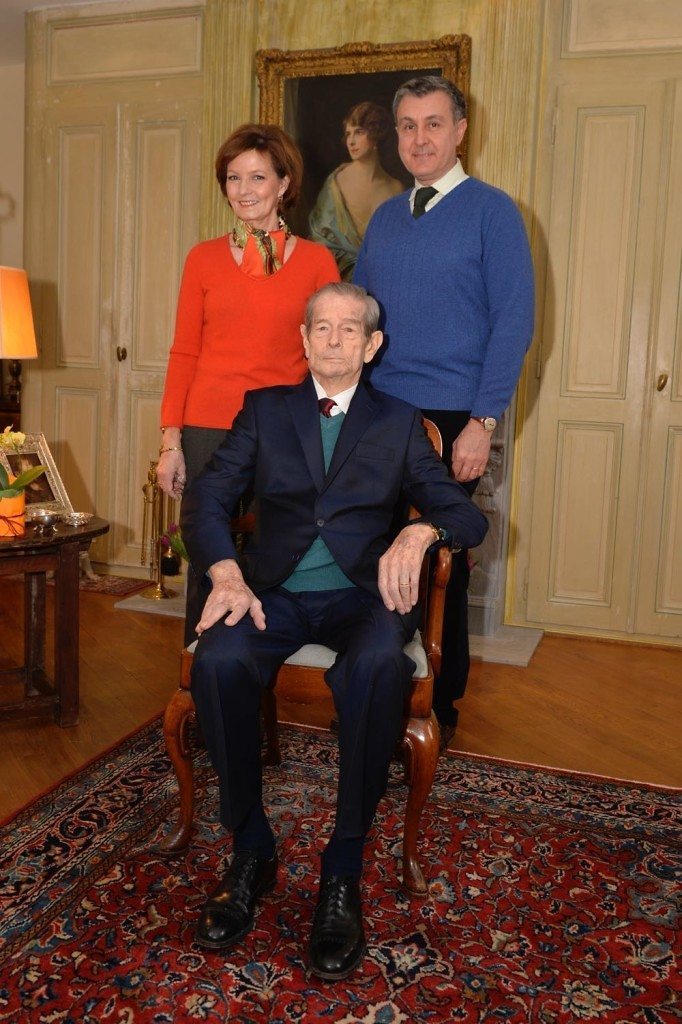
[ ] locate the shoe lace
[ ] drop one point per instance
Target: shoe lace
(333, 902)
(244, 868)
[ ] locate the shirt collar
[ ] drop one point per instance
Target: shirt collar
(342, 399)
(451, 179)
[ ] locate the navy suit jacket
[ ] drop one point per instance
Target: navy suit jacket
(382, 459)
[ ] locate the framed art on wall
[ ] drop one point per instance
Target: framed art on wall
(316, 94)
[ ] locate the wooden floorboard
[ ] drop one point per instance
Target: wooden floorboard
(603, 708)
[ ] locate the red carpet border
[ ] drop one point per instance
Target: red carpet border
(552, 899)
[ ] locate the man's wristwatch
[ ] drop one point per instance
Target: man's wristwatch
(439, 534)
(487, 422)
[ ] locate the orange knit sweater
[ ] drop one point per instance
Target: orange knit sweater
(234, 332)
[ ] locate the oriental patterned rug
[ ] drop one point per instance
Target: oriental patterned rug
(552, 898)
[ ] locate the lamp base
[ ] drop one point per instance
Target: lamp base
(14, 385)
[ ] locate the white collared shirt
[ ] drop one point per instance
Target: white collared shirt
(342, 399)
(450, 180)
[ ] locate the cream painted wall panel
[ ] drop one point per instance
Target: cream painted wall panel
(598, 26)
(121, 47)
(12, 168)
(606, 194)
(669, 591)
(676, 335)
(158, 236)
(79, 217)
(586, 488)
(76, 453)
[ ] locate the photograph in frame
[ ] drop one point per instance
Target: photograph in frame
(47, 491)
(312, 93)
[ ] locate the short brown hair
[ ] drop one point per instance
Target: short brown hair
(374, 119)
(264, 138)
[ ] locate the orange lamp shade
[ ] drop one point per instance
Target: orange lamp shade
(17, 335)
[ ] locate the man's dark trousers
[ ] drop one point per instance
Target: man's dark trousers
(369, 681)
(452, 681)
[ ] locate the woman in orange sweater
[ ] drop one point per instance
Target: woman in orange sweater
(241, 303)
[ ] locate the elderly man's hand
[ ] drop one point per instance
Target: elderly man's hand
(470, 452)
(229, 594)
(400, 566)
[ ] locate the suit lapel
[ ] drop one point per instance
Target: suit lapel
(302, 403)
(358, 418)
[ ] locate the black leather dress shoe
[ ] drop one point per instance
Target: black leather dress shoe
(227, 915)
(337, 943)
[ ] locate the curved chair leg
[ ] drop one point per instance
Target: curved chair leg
(175, 733)
(421, 741)
(271, 754)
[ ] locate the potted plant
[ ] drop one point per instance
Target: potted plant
(173, 551)
(12, 488)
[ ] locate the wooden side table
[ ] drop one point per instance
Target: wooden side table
(35, 555)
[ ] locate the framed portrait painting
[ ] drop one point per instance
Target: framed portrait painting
(47, 491)
(336, 103)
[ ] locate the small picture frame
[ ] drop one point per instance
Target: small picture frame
(48, 490)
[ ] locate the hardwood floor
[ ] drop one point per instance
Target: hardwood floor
(604, 708)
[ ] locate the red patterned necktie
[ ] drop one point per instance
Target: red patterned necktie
(325, 405)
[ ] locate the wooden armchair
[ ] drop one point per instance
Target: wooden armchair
(303, 675)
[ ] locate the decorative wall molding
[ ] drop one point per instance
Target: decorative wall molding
(157, 44)
(597, 27)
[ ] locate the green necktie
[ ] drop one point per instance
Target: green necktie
(421, 198)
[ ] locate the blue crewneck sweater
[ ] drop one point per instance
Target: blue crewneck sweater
(456, 291)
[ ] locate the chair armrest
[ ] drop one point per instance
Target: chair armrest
(433, 619)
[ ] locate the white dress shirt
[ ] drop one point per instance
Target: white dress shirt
(454, 177)
(342, 399)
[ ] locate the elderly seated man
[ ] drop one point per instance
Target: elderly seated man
(329, 460)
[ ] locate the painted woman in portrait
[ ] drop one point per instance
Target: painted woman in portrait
(352, 192)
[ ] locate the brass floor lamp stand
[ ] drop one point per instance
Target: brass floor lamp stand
(154, 525)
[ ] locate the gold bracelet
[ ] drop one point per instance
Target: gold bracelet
(162, 450)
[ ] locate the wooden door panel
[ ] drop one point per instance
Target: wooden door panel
(595, 336)
(659, 583)
(79, 204)
(160, 190)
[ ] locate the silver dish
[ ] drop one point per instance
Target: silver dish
(44, 520)
(76, 518)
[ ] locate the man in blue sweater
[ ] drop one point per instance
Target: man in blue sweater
(450, 265)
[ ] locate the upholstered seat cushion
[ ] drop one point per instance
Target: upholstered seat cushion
(317, 656)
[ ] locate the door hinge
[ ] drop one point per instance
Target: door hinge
(555, 118)
(524, 588)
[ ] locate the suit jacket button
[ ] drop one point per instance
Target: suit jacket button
(319, 522)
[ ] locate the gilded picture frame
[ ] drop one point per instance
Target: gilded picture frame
(47, 491)
(309, 93)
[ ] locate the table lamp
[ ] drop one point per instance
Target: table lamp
(17, 336)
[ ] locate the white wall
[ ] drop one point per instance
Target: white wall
(11, 164)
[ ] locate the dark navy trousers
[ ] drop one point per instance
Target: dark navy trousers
(369, 682)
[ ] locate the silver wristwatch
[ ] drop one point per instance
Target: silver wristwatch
(487, 422)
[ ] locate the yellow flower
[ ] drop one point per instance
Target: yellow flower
(12, 439)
